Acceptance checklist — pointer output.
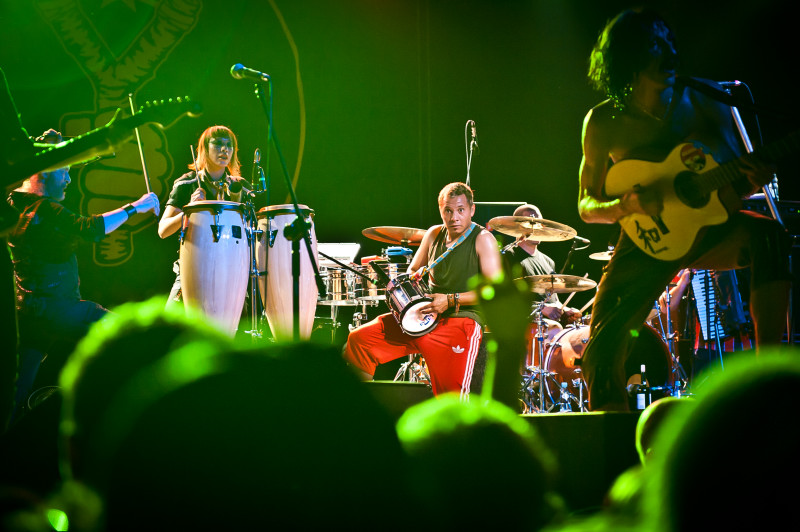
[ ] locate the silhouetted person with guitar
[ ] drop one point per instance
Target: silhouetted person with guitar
(649, 151)
(52, 317)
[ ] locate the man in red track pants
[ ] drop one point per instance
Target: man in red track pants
(451, 348)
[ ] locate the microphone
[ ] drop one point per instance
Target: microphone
(383, 277)
(239, 71)
(256, 160)
(236, 186)
(734, 83)
(474, 143)
(580, 240)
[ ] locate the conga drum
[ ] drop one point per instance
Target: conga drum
(214, 258)
(274, 251)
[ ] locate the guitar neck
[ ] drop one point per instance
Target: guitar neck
(729, 172)
(100, 141)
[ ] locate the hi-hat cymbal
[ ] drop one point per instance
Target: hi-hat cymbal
(601, 255)
(558, 284)
(530, 228)
(405, 236)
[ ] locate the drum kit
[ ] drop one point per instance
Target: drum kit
(552, 380)
(380, 278)
(225, 244)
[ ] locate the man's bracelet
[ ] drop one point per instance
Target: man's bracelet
(458, 304)
(130, 210)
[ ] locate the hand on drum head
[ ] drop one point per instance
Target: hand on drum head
(148, 202)
(438, 304)
(198, 195)
(571, 315)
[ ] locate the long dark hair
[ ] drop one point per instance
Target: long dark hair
(625, 47)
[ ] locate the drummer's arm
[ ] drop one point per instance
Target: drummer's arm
(421, 256)
(172, 218)
(170, 221)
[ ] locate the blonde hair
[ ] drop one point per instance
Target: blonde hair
(33, 185)
(202, 149)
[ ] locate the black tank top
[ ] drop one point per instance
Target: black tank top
(454, 272)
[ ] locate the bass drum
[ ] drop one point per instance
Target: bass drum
(648, 349)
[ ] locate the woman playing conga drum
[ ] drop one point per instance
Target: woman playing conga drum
(207, 188)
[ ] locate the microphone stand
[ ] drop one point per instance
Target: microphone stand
(572, 249)
(299, 228)
(726, 97)
(470, 149)
(771, 199)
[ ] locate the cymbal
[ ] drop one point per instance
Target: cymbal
(558, 284)
(530, 228)
(601, 255)
(407, 236)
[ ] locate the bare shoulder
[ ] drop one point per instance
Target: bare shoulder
(601, 115)
(430, 236)
(486, 241)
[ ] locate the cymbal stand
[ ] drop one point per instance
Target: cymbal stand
(415, 370)
(668, 337)
(540, 337)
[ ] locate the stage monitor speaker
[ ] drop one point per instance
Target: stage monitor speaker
(591, 451)
(399, 396)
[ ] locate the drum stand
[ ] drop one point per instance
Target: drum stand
(534, 392)
(253, 234)
(415, 370)
(668, 336)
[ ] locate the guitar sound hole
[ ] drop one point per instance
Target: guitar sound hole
(686, 190)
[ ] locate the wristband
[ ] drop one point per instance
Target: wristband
(457, 302)
(130, 210)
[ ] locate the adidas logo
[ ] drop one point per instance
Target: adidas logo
(458, 349)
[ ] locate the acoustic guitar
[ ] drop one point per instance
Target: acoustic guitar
(688, 180)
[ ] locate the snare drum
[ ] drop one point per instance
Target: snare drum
(367, 291)
(339, 287)
(277, 288)
(405, 296)
(214, 258)
(648, 349)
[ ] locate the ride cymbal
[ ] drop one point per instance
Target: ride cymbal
(405, 236)
(601, 255)
(530, 228)
(557, 284)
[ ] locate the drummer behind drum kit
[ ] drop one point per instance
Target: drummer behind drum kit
(552, 378)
